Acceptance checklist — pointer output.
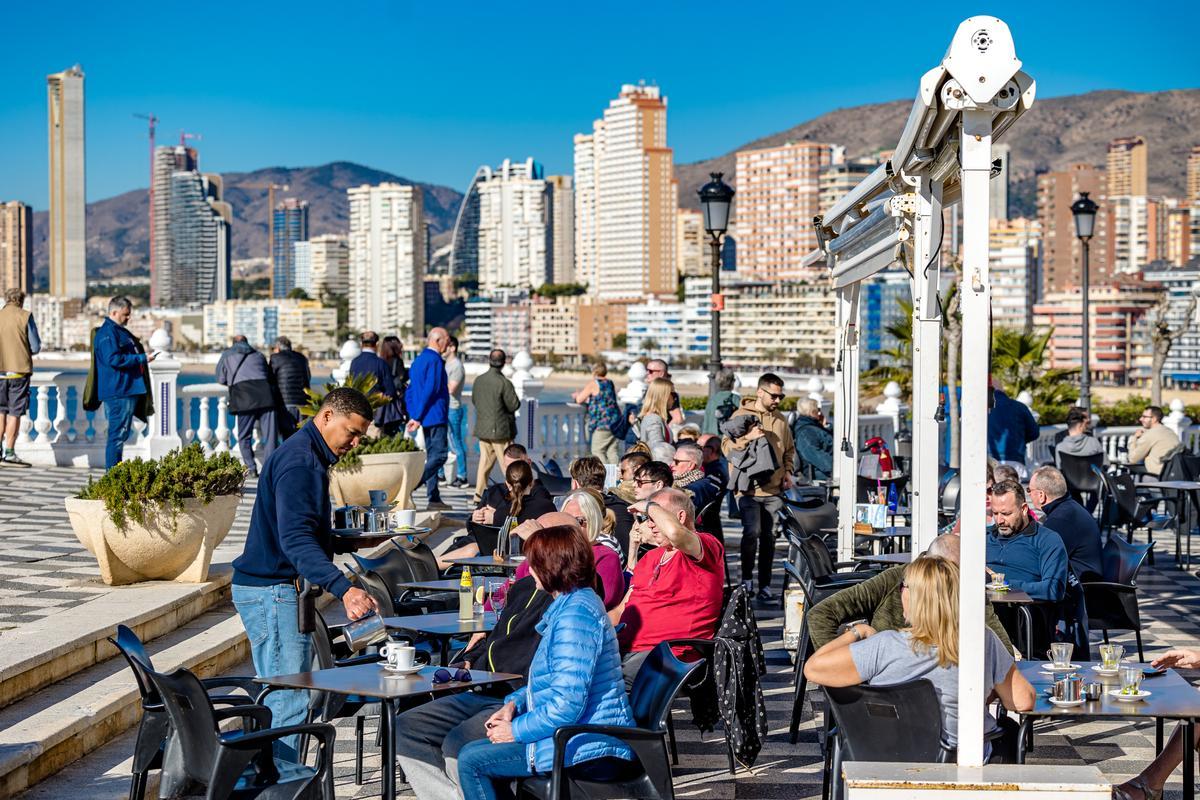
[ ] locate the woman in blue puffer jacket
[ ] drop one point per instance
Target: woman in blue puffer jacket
(575, 678)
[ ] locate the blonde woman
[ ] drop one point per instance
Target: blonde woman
(652, 428)
(927, 649)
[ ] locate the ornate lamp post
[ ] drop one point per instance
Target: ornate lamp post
(1084, 210)
(715, 198)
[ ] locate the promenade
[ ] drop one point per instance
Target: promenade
(45, 573)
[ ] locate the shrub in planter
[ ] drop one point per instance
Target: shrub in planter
(352, 461)
(392, 463)
(161, 519)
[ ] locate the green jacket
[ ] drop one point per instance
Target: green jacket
(496, 405)
(877, 600)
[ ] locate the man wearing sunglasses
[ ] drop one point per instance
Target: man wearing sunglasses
(687, 468)
(758, 506)
(657, 368)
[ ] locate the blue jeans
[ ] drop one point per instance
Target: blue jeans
(435, 458)
(458, 440)
(277, 648)
(119, 413)
(480, 761)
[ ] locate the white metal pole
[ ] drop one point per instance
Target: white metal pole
(976, 155)
(845, 417)
(927, 366)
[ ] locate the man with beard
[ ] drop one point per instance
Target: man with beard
(1031, 556)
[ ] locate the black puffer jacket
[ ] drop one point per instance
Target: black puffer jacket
(291, 375)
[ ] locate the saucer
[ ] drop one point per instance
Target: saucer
(1049, 666)
(997, 587)
(1066, 703)
(1115, 694)
(398, 671)
(1106, 672)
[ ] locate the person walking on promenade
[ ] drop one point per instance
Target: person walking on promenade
(603, 414)
(456, 379)
(387, 417)
(118, 378)
(252, 397)
(292, 376)
(428, 401)
(391, 350)
(19, 342)
(496, 403)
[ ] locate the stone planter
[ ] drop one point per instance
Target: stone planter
(170, 546)
(395, 473)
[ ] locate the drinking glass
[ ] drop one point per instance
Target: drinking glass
(478, 587)
(998, 578)
(1131, 679)
(498, 592)
(1060, 653)
(1110, 656)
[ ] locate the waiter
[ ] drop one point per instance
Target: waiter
(290, 540)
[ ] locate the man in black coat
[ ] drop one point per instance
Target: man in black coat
(388, 418)
(1071, 521)
(292, 375)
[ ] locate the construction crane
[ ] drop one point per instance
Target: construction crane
(153, 120)
(270, 187)
(184, 136)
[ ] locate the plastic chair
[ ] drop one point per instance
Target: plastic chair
(237, 763)
(658, 682)
(1083, 483)
(1112, 603)
(403, 563)
(154, 728)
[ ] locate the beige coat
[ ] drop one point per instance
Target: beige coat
(1154, 447)
(779, 435)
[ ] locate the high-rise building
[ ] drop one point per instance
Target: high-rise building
(387, 259)
(563, 197)
(998, 185)
(625, 199)
(1061, 251)
(322, 265)
(192, 225)
(1193, 176)
(307, 323)
(880, 301)
(787, 323)
(1137, 229)
(1182, 367)
(464, 249)
(1178, 240)
(778, 192)
(1115, 312)
(1013, 249)
(16, 247)
(1125, 166)
(516, 226)
(574, 327)
(692, 252)
(290, 226)
(839, 177)
(68, 192)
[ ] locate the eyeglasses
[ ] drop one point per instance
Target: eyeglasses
(639, 517)
(773, 395)
(682, 461)
(443, 675)
(644, 482)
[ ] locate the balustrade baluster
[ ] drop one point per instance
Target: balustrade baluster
(60, 411)
(42, 425)
(222, 445)
(205, 432)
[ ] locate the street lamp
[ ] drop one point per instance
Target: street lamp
(715, 198)
(1084, 210)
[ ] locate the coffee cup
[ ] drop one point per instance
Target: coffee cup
(1110, 656)
(378, 497)
(405, 517)
(1060, 653)
(399, 655)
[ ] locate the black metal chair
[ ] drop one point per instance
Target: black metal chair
(238, 763)
(1112, 603)
(401, 563)
(709, 519)
(1130, 508)
(154, 728)
(658, 682)
(1083, 483)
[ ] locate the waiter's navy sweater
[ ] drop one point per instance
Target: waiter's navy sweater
(289, 528)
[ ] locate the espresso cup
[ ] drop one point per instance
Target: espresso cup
(399, 655)
(405, 518)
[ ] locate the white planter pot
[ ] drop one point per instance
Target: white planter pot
(171, 545)
(395, 473)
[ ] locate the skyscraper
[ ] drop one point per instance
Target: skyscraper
(691, 244)
(16, 247)
(998, 186)
(840, 177)
(563, 191)
(778, 191)
(1012, 265)
(1193, 176)
(387, 259)
(322, 264)
(1061, 251)
(290, 226)
(1126, 166)
(625, 199)
(192, 226)
(68, 196)
(516, 225)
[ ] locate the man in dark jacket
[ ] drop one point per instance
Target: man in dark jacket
(292, 375)
(814, 442)
(432, 734)
(120, 365)
(428, 403)
(1077, 528)
(496, 405)
(388, 418)
(1011, 426)
(252, 397)
(1030, 555)
(289, 540)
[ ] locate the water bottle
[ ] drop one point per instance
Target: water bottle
(893, 498)
(466, 609)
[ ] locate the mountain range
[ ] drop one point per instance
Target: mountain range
(1056, 132)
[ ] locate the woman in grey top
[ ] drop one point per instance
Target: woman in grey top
(652, 425)
(928, 649)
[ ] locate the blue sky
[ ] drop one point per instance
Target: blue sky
(431, 90)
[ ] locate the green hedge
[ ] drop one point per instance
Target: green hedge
(368, 446)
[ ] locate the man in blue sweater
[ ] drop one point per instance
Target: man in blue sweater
(1032, 557)
(1011, 426)
(289, 541)
(120, 365)
(428, 402)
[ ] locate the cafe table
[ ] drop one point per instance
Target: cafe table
(372, 680)
(443, 626)
(506, 564)
(1171, 697)
(1020, 602)
(438, 585)
(1183, 528)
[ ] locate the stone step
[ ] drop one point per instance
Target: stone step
(63, 722)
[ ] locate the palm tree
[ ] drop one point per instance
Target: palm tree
(1018, 363)
(897, 360)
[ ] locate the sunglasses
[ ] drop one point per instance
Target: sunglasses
(443, 675)
(639, 517)
(773, 395)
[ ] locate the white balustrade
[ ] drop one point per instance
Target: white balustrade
(57, 431)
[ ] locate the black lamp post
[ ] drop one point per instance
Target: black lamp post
(715, 198)
(1084, 210)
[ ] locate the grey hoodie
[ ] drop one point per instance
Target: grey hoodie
(1081, 444)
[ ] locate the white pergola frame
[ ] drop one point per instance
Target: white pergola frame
(943, 156)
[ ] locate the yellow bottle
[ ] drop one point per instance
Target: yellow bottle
(466, 608)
